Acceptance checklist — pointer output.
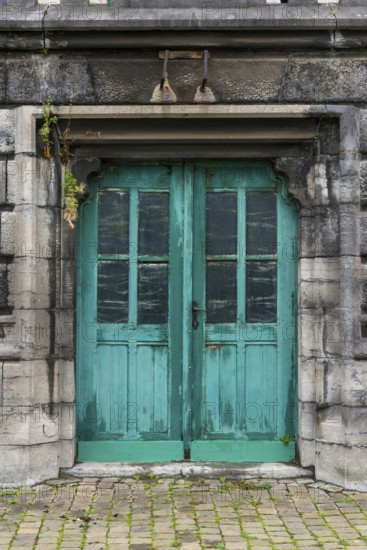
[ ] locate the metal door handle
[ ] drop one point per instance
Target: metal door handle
(195, 310)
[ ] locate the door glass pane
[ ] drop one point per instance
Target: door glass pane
(221, 223)
(113, 223)
(261, 226)
(113, 287)
(261, 292)
(153, 294)
(153, 224)
(221, 292)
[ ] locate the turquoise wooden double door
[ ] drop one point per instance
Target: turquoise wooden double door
(186, 314)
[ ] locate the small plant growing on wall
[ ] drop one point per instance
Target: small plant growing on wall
(49, 120)
(73, 192)
(65, 153)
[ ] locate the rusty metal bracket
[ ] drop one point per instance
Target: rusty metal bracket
(164, 74)
(183, 54)
(205, 75)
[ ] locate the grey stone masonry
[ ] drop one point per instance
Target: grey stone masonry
(131, 78)
(287, 85)
(162, 14)
(7, 216)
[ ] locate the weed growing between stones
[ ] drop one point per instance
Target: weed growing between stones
(151, 510)
(175, 543)
(255, 486)
(217, 520)
(61, 532)
(286, 439)
(86, 518)
(110, 516)
(21, 520)
(349, 500)
(333, 12)
(236, 507)
(49, 120)
(196, 518)
(332, 529)
(10, 492)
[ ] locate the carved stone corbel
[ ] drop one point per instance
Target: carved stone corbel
(83, 168)
(298, 175)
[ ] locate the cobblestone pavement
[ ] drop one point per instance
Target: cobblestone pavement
(152, 513)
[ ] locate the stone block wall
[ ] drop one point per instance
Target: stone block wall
(116, 79)
(313, 73)
(37, 398)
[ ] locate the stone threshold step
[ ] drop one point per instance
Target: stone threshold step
(186, 469)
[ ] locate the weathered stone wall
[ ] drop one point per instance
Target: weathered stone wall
(234, 77)
(37, 397)
(327, 174)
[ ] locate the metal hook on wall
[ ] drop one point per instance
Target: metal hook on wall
(163, 92)
(205, 75)
(203, 93)
(164, 74)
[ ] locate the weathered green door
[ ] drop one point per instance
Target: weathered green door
(186, 321)
(244, 265)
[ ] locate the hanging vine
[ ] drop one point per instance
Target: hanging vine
(74, 190)
(65, 153)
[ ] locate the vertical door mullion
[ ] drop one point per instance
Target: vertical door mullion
(175, 345)
(133, 257)
(199, 295)
(241, 255)
(187, 371)
(241, 304)
(133, 308)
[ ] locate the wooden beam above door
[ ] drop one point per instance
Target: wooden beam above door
(178, 130)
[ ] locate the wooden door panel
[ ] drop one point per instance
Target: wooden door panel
(260, 392)
(131, 290)
(219, 390)
(115, 411)
(152, 399)
(241, 363)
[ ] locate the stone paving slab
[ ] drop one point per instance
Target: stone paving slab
(189, 513)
